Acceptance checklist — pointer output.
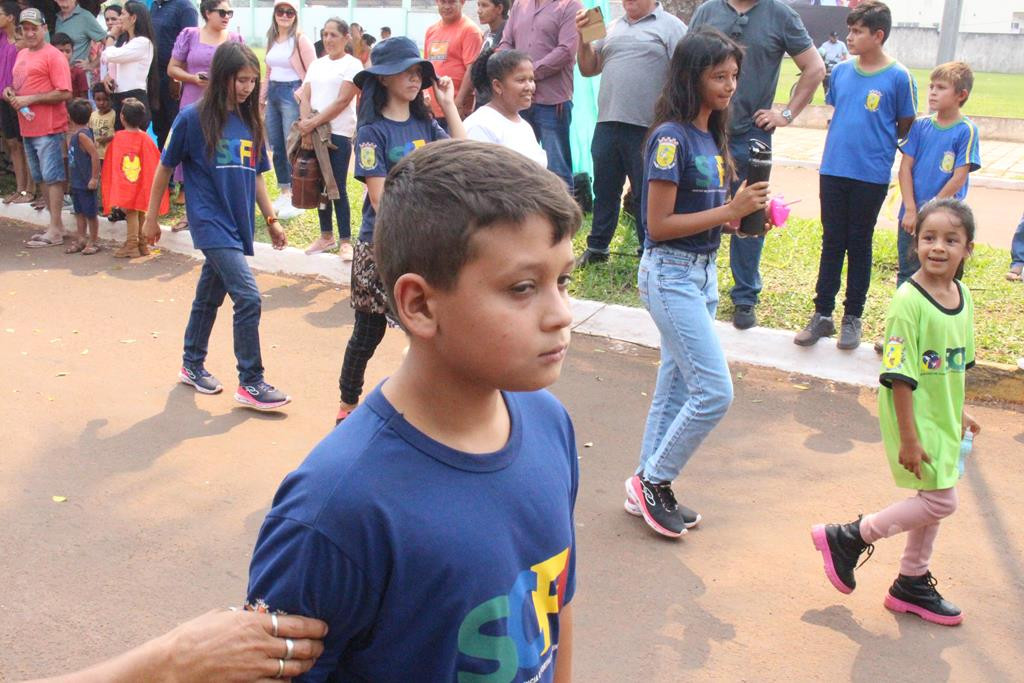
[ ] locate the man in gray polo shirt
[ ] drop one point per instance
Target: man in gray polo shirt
(633, 60)
(82, 27)
(767, 29)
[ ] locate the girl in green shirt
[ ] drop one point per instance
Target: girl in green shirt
(929, 346)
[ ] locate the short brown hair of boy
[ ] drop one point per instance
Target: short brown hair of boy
(134, 112)
(874, 15)
(79, 110)
(440, 195)
(957, 74)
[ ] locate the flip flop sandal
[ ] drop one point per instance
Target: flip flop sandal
(90, 250)
(43, 242)
(180, 225)
(74, 248)
(1014, 276)
(22, 197)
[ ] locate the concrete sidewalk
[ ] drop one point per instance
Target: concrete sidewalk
(1002, 162)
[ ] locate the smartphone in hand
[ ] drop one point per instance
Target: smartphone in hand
(594, 28)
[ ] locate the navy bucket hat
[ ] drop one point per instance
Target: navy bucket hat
(393, 56)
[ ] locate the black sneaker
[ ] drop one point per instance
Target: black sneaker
(588, 257)
(818, 327)
(849, 333)
(690, 517)
(657, 506)
(841, 545)
(917, 595)
(261, 396)
(116, 215)
(204, 382)
(743, 318)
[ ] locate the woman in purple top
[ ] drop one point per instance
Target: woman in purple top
(8, 117)
(190, 63)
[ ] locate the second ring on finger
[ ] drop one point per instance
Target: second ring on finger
(289, 648)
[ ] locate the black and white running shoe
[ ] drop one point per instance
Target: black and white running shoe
(200, 379)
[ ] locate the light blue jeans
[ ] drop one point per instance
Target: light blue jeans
(282, 111)
(1017, 245)
(694, 388)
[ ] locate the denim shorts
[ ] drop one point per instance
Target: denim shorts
(84, 202)
(45, 155)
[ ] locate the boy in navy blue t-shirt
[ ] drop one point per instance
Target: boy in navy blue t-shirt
(875, 100)
(433, 529)
(940, 151)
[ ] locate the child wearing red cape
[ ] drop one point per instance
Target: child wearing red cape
(128, 167)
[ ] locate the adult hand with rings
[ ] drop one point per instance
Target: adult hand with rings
(222, 645)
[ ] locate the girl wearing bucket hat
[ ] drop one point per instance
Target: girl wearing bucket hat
(393, 120)
(289, 54)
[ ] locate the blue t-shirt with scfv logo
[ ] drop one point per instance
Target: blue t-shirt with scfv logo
(689, 159)
(937, 152)
(861, 141)
(382, 144)
(221, 186)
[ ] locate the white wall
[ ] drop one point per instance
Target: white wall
(979, 16)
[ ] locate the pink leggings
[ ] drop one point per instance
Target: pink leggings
(919, 517)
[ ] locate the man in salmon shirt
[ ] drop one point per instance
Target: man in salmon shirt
(41, 85)
(451, 46)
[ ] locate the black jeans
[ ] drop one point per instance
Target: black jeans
(367, 334)
(339, 167)
(849, 209)
(164, 117)
(617, 149)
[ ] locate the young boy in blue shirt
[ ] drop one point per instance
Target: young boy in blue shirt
(875, 101)
(940, 151)
(433, 529)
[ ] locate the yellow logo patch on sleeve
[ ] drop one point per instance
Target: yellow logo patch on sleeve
(892, 358)
(367, 155)
(665, 154)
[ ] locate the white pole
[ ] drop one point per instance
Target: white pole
(949, 31)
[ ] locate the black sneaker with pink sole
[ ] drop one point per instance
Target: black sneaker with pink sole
(656, 503)
(261, 396)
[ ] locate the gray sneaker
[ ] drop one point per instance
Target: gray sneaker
(849, 333)
(820, 326)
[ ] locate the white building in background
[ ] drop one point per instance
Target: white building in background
(979, 16)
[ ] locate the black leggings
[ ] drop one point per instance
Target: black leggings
(118, 99)
(366, 336)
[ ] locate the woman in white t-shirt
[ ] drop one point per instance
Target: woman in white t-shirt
(510, 74)
(130, 68)
(328, 95)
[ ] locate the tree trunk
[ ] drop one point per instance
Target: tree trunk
(683, 9)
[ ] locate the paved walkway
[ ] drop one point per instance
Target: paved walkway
(166, 491)
(1000, 160)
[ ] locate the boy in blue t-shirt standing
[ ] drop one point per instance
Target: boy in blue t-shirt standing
(939, 152)
(433, 529)
(875, 101)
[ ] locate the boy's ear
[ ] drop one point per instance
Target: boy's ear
(414, 298)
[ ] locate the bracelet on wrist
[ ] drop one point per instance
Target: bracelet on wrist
(271, 220)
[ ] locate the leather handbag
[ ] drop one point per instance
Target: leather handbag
(175, 87)
(307, 180)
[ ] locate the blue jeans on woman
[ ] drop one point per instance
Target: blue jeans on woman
(551, 126)
(694, 387)
(282, 112)
(339, 165)
(226, 271)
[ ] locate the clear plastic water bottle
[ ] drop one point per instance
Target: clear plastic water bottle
(966, 446)
(27, 113)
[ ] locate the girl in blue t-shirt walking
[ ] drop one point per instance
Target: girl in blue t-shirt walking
(393, 120)
(687, 169)
(219, 141)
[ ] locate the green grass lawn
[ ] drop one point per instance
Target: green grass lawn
(993, 94)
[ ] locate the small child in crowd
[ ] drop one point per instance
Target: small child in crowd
(392, 121)
(940, 151)
(433, 530)
(131, 160)
(102, 119)
(875, 101)
(79, 81)
(83, 175)
(929, 346)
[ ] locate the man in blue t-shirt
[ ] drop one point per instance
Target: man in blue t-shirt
(938, 154)
(875, 101)
(433, 529)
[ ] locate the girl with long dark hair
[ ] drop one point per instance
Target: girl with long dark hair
(219, 141)
(131, 67)
(687, 170)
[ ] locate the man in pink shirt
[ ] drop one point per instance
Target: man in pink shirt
(41, 86)
(546, 30)
(452, 45)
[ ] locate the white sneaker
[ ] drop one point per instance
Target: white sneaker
(281, 202)
(289, 211)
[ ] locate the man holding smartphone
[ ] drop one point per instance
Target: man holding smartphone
(633, 60)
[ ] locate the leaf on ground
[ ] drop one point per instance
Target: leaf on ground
(9, 329)
(589, 444)
(801, 387)
(55, 340)
(757, 400)
(62, 374)
(127, 341)
(59, 499)
(85, 352)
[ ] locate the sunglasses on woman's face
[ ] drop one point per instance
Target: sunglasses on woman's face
(284, 12)
(225, 13)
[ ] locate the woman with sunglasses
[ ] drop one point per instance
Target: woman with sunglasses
(190, 63)
(289, 54)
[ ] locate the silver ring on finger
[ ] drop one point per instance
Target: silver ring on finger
(280, 669)
(273, 625)
(289, 648)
